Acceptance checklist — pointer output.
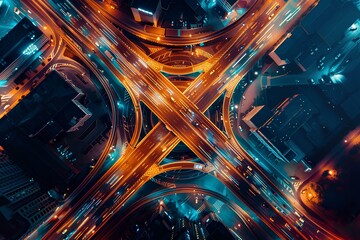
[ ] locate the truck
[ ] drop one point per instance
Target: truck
(109, 55)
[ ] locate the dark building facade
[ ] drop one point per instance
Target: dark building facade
(146, 11)
(311, 39)
(18, 54)
(23, 203)
(45, 115)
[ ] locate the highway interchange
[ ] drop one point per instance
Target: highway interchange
(181, 115)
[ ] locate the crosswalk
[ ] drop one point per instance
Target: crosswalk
(201, 208)
(297, 184)
(217, 205)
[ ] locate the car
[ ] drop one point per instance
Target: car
(320, 66)
(300, 224)
(163, 149)
(311, 81)
(16, 10)
(265, 205)
(212, 72)
(288, 226)
(271, 16)
(172, 99)
(196, 123)
(190, 111)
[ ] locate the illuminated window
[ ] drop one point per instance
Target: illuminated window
(144, 11)
(31, 49)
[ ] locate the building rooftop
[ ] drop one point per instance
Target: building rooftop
(338, 18)
(257, 116)
(199, 12)
(49, 104)
(24, 34)
(310, 40)
(296, 127)
(149, 6)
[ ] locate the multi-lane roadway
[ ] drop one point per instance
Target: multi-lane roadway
(182, 115)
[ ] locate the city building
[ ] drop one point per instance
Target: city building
(339, 16)
(146, 11)
(171, 220)
(23, 203)
(19, 48)
(199, 12)
(312, 38)
(289, 131)
(40, 119)
(185, 229)
(215, 228)
(211, 228)
(57, 102)
(227, 5)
